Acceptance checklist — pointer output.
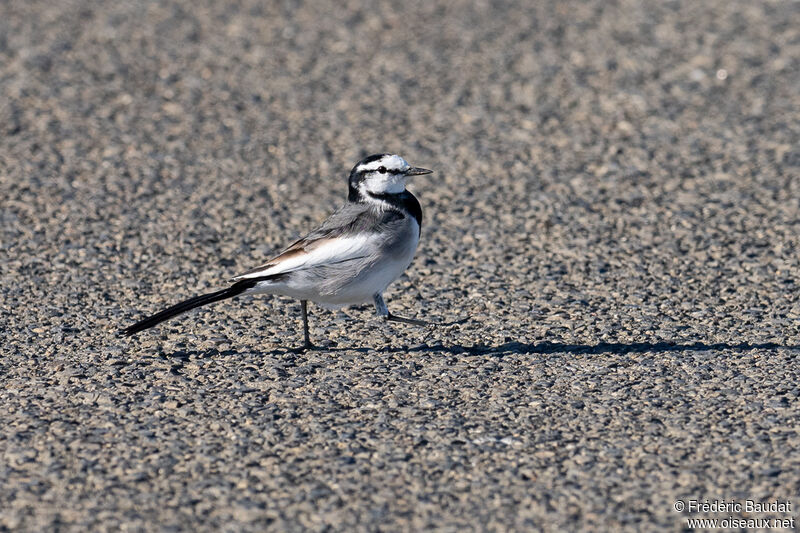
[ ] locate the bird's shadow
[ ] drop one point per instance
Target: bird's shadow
(660, 346)
(545, 347)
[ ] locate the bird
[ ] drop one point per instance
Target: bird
(351, 258)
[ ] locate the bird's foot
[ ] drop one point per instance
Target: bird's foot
(414, 321)
(417, 322)
(306, 347)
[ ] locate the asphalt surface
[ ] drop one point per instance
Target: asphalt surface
(615, 213)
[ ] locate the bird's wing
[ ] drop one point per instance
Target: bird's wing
(348, 234)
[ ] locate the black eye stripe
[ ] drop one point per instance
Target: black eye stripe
(385, 170)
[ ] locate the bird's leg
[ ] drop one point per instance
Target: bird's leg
(306, 338)
(383, 311)
(380, 305)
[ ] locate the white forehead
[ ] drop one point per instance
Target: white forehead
(390, 162)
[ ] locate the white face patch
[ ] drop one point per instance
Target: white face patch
(391, 181)
(377, 183)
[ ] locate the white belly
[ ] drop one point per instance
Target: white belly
(352, 282)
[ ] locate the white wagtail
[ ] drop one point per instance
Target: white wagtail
(349, 259)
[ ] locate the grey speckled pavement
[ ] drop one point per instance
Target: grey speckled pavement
(616, 210)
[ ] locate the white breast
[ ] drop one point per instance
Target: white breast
(394, 258)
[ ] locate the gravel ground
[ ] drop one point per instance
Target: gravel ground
(615, 211)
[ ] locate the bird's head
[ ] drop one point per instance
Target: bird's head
(381, 174)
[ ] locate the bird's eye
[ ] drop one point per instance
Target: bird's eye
(382, 170)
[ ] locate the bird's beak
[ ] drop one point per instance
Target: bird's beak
(416, 171)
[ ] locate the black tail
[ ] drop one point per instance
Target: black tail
(234, 290)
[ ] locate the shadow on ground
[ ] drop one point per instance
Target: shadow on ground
(605, 347)
(526, 348)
